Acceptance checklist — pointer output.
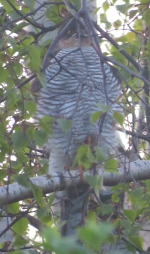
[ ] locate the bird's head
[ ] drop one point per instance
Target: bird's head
(77, 35)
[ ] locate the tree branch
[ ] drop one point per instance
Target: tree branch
(132, 73)
(139, 170)
(116, 45)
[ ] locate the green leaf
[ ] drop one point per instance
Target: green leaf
(46, 123)
(35, 57)
(138, 25)
(117, 24)
(65, 124)
(42, 212)
(84, 157)
(116, 197)
(42, 79)
(101, 154)
(3, 174)
(96, 116)
(18, 68)
(21, 226)
(13, 208)
(46, 218)
(127, 225)
(52, 13)
(20, 26)
(94, 234)
(106, 209)
(105, 6)
(30, 4)
(41, 137)
(111, 165)
(148, 185)
(19, 139)
(7, 6)
(137, 241)
(31, 107)
(119, 117)
(104, 108)
(37, 192)
(51, 199)
(146, 17)
(96, 182)
(123, 7)
(124, 46)
(20, 241)
(130, 36)
(23, 181)
(130, 214)
(132, 13)
(4, 74)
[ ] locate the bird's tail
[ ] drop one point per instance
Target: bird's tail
(74, 210)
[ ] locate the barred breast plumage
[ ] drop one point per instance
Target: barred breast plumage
(74, 88)
(76, 83)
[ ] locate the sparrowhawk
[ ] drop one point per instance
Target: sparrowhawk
(79, 85)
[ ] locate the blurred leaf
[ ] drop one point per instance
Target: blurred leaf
(117, 24)
(101, 154)
(41, 137)
(52, 13)
(3, 173)
(31, 107)
(118, 117)
(51, 199)
(96, 182)
(23, 181)
(65, 124)
(111, 165)
(84, 157)
(21, 226)
(7, 6)
(13, 208)
(46, 123)
(105, 6)
(20, 241)
(104, 108)
(137, 241)
(146, 17)
(37, 192)
(42, 79)
(19, 27)
(106, 209)
(123, 8)
(130, 214)
(132, 13)
(4, 74)
(95, 234)
(124, 46)
(148, 185)
(138, 25)
(18, 68)
(35, 57)
(30, 4)
(96, 116)
(19, 139)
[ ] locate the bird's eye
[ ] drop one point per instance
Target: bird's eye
(71, 31)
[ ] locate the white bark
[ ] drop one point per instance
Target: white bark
(138, 170)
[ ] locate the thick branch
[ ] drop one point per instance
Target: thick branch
(139, 169)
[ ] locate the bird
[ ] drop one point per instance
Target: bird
(78, 85)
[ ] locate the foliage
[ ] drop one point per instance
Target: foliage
(21, 56)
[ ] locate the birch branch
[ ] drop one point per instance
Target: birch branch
(137, 170)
